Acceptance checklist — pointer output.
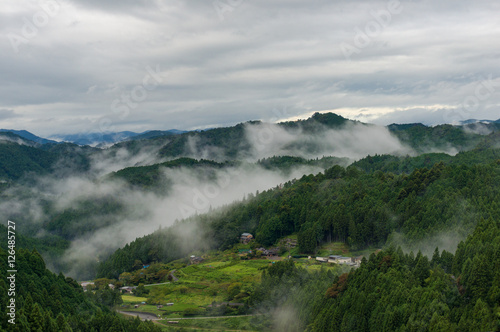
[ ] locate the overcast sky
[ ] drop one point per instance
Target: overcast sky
(72, 66)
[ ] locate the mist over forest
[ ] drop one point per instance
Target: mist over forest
(104, 212)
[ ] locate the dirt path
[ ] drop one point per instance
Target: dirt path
(174, 278)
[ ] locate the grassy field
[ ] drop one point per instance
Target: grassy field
(221, 277)
(200, 285)
(334, 248)
(130, 299)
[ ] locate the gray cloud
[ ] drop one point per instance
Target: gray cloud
(258, 57)
(7, 114)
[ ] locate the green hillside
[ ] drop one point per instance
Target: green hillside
(350, 205)
(48, 302)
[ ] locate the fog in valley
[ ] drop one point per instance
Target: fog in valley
(189, 193)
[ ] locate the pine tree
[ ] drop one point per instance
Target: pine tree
(35, 319)
(421, 270)
(62, 324)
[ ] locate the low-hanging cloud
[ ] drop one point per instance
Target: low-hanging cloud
(353, 141)
(190, 192)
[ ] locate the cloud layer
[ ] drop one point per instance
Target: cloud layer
(88, 66)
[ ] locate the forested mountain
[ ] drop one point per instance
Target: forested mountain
(150, 177)
(17, 160)
(48, 302)
(242, 141)
(442, 137)
(142, 165)
(393, 290)
(157, 133)
(344, 204)
(315, 179)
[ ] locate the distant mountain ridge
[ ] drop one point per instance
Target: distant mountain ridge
(99, 139)
(469, 121)
(103, 139)
(95, 138)
(29, 136)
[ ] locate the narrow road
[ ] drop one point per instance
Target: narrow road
(215, 317)
(141, 315)
(163, 283)
(151, 316)
(174, 278)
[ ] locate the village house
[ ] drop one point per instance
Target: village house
(289, 243)
(357, 260)
(195, 260)
(246, 238)
(87, 285)
(269, 252)
(343, 260)
(333, 258)
(337, 259)
(127, 289)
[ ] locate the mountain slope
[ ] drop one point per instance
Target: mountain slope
(17, 160)
(347, 205)
(395, 291)
(45, 301)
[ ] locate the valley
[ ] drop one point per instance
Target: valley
(160, 226)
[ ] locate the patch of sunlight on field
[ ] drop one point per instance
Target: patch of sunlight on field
(132, 299)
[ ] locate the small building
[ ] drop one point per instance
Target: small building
(169, 304)
(87, 283)
(111, 286)
(357, 259)
(246, 238)
(159, 306)
(195, 260)
(322, 259)
(344, 260)
(289, 243)
(127, 289)
(272, 252)
(269, 252)
(337, 259)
